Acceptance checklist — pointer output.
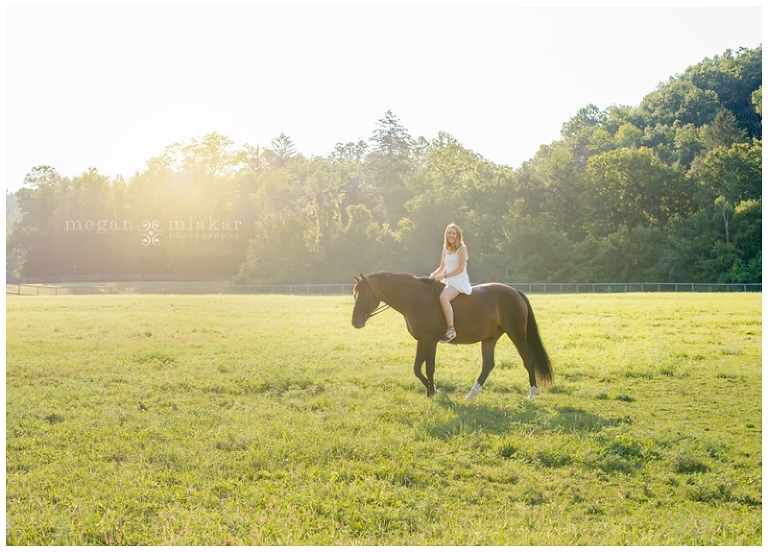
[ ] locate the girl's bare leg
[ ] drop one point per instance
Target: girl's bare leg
(448, 294)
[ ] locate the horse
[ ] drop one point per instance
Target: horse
(489, 312)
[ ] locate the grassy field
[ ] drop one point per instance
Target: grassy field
(214, 420)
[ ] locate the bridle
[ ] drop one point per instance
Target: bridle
(377, 310)
(385, 306)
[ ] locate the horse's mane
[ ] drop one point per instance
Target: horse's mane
(401, 277)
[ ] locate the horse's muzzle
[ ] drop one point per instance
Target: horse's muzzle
(358, 322)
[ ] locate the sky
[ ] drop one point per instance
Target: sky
(111, 87)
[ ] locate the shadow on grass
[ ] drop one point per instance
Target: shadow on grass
(471, 417)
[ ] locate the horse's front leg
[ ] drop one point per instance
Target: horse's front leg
(430, 349)
(418, 362)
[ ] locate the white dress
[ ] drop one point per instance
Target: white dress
(458, 281)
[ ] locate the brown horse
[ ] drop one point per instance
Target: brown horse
(489, 312)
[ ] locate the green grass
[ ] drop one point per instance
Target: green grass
(215, 420)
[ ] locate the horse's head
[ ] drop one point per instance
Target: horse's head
(365, 301)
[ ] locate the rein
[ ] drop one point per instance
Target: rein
(385, 306)
(379, 310)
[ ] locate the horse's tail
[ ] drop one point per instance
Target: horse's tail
(541, 361)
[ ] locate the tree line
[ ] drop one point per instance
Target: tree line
(666, 191)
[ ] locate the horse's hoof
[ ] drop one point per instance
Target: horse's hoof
(432, 391)
(532, 394)
(475, 391)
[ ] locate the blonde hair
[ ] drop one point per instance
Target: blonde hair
(458, 242)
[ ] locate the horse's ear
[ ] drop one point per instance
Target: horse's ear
(362, 278)
(355, 278)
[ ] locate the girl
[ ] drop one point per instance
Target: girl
(453, 271)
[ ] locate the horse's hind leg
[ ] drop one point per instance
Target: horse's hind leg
(526, 355)
(519, 340)
(488, 348)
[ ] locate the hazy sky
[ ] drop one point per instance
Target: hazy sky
(112, 87)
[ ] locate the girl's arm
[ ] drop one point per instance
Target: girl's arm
(440, 269)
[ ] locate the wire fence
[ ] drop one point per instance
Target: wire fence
(181, 287)
(83, 278)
